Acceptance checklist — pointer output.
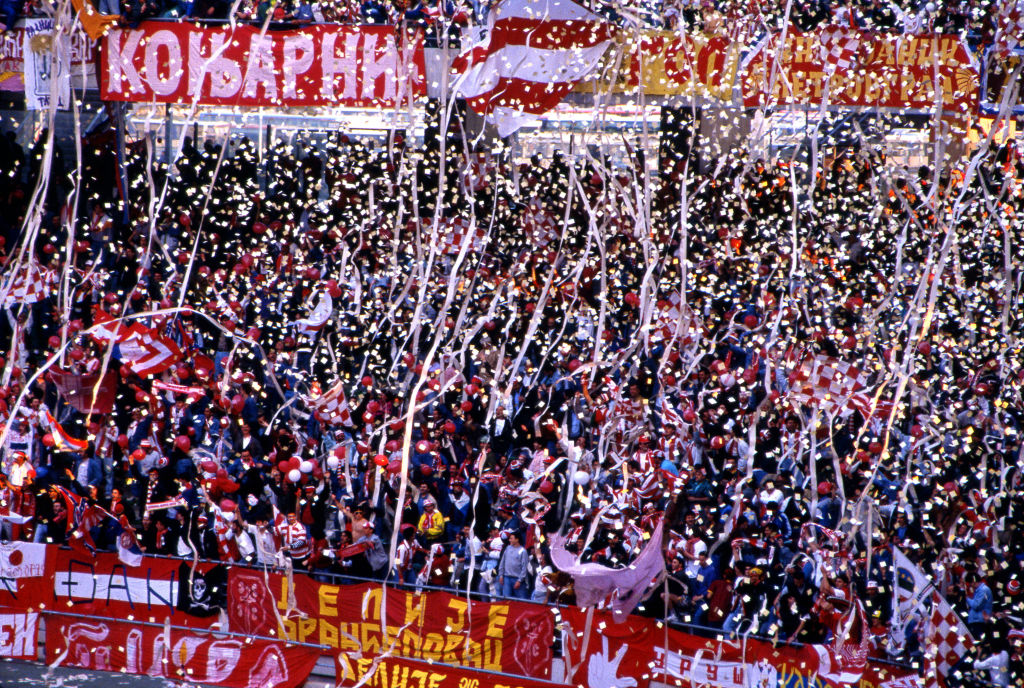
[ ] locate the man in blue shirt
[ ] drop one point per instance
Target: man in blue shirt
(979, 604)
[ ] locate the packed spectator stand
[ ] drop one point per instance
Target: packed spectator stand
(384, 362)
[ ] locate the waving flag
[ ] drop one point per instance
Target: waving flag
(621, 589)
(147, 351)
(839, 46)
(27, 285)
(331, 408)
(1009, 28)
(319, 317)
(529, 59)
(62, 440)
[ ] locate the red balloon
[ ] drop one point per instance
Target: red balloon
(367, 381)
(237, 404)
(48, 440)
(183, 443)
(717, 442)
(750, 321)
(924, 348)
(139, 454)
(362, 447)
(253, 333)
(367, 417)
(395, 466)
(467, 406)
(396, 425)
(381, 460)
(54, 342)
(449, 427)
(689, 415)
(182, 372)
(917, 431)
(426, 469)
(392, 446)
(875, 447)
(546, 486)
(423, 447)
(283, 466)
(632, 299)
(373, 407)
(258, 228)
(141, 397)
(472, 389)
(122, 441)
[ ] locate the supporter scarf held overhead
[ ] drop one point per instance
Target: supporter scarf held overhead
(529, 59)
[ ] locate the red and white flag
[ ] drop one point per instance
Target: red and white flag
(833, 385)
(529, 59)
(1009, 28)
(540, 225)
(839, 46)
(27, 285)
(61, 439)
(452, 232)
(146, 351)
(843, 661)
(332, 407)
(475, 174)
(948, 641)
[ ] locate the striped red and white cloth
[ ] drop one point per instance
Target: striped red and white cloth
(452, 232)
(27, 285)
(476, 171)
(1009, 28)
(839, 46)
(540, 225)
(331, 407)
(145, 350)
(528, 59)
(832, 385)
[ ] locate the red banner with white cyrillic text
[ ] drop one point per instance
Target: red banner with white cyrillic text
(323, 64)
(176, 653)
(506, 637)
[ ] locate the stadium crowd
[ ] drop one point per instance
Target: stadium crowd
(510, 351)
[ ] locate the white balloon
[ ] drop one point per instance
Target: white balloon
(306, 467)
(728, 380)
(294, 475)
(581, 477)
(332, 462)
